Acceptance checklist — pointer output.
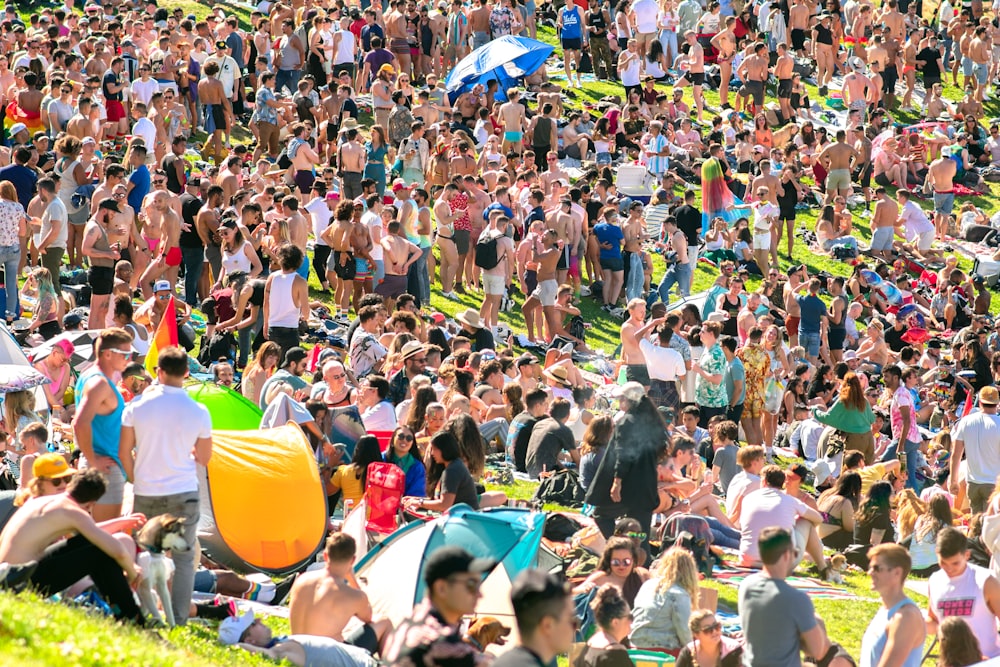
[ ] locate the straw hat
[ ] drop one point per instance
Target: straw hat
(470, 317)
(411, 349)
(558, 374)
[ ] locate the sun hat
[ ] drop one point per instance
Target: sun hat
(558, 374)
(470, 317)
(412, 348)
(232, 628)
(632, 391)
(989, 396)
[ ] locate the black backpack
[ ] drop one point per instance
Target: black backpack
(486, 252)
(561, 488)
(219, 346)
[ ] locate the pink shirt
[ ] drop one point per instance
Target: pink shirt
(903, 399)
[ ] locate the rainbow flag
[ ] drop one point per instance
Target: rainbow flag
(165, 336)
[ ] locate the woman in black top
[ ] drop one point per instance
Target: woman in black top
(731, 303)
(823, 46)
(608, 647)
(456, 485)
(873, 522)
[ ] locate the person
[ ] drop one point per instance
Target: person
(550, 437)
(98, 418)
(710, 646)
(904, 418)
(164, 434)
(323, 602)
(853, 416)
(778, 619)
(962, 589)
(924, 536)
(619, 565)
(536, 408)
(895, 636)
(250, 634)
(958, 646)
(873, 520)
(592, 447)
(377, 413)
(838, 506)
(614, 621)
(264, 362)
(352, 478)
(663, 604)
(37, 532)
(710, 388)
(977, 436)
(546, 619)
(401, 452)
(452, 578)
(286, 299)
(456, 482)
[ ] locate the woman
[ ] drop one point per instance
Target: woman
(377, 150)
(592, 448)
(18, 412)
(761, 134)
(710, 648)
(667, 21)
(260, 368)
(655, 63)
(608, 646)
(56, 367)
(456, 484)
(853, 416)
(779, 368)
(13, 227)
(838, 506)
(238, 254)
(795, 394)
(71, 174)
(827, 233)
(401, 453)
(472, 449)
(352, 479)
(617, 567)
(584, 399)
(416, 408)
(959, 645)
(663, 604)
(873, 520)
(382, 94)
(48, 311)
(974, 359)
(924, 537)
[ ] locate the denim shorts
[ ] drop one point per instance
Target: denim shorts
(810, 340)
(882, 238)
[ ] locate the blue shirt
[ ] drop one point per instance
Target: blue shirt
(813, 309)
(735, 372)
(608, 233)
(140, 177)
(235, 44)
(106, 429)
(264, 112)
(571, 23)
(23, 180)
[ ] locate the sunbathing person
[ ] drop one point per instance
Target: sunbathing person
(324, 601)
(249, 633)
(618, 567)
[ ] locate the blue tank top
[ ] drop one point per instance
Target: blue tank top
(571, 24)
(107, 429)
(873, 643)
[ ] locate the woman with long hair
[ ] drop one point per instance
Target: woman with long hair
(959, 645)
(838, 505)
(852, 415)
(402, 451)
(925, 532)
(417, 410)
(376, 149)
(513, 399)
(13, 228)
(49, 307)
(820, 387)
(795, 394)
(71, 174)
(709, 646)
(260, 368)
(18, 413)
(655, 62)
(664, 603)
(452, 482)
(592, 448)
(238, 254)
(352, 479)
(618, 566)
(873, 520)
(607, 647)
(584, 399)
(974, 359)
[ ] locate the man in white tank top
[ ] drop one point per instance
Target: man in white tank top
(286, 300)
(962, 589)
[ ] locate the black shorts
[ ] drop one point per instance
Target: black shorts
(784, 88)
(836, 337)
(563, 262)
(613, 264)
(798, 39)
(696, 78)
(392, 286)
(343, 67)
(331, 132)
(345, 271)
(572, 43)
(462, 238)
(864, 176)
(637, 373)
(101, 280)
(883, 180)
(756, 90)
(786, 212)
(363, 637)
(889, 78)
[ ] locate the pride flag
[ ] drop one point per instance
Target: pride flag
(165, 336)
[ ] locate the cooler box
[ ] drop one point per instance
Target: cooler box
(988, 268)
(635, 181)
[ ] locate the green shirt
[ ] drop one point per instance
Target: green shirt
(707, 394)
(846, 419)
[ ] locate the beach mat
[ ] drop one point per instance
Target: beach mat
(811, 586)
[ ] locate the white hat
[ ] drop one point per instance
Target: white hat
(161, 286)
(718, 316)
(17, 128)
(821, 469)
(633, 391)
(470, 317)
(232, 628)
(849, 355)
(856, 63)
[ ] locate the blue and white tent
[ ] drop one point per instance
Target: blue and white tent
(506, 59)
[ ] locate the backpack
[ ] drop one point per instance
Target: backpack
(560, 528)
(693, 533)
(486, 252)
(561, 488)
(577, 328)
(219, 346)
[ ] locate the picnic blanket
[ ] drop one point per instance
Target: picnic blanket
(811, 586)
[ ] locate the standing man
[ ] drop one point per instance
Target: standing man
(570, 24)
(838, 158)
(710, 392)
(978, 436)
(98, 420)
(103, 257)
(664, 363)
(546, 619)
(903, 418)
(941, 176)
(813, 321)
(165, 436)
(883, 224)
(286, 300)
(597, 21)
(632, 356)
(695, 75)
(55, 227)
(218, 110)
(896, 635)
(736, 379)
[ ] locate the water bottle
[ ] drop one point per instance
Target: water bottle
(348, 506)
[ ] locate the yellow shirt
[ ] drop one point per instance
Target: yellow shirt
(351, 487)
(870, 475)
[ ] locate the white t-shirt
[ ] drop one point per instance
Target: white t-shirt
(914, 220)
(981, 434)
(142, 91)
(56, 210)
(379, 417)
(227, 72)
(963, 596)
(320, 214)
(167, 423)
(664, 363)
(374, 222)
(147, 130)
(741, 483)
(763, 508)
(646, 12)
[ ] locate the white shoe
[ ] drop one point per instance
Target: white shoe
(584, 290)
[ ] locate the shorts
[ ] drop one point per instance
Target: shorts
(494, 285)
(116, 111)
(784, 88)
(838, 179)
(696, 78)
(343, 67)
(101, 280)
(734, 413)
(392, 286)
(967, 66)
(753, 408)
(982, 73)
(663, 394)
(836, 338)
(343, 270)
(762, 241)
(811, 341)
(798, 39)
(883, 180)
(944, 202)
(864, 176)
(173, 256)
(530, 280)
(756, 90)
(205, 581)
(546, 292)
(563, 262)
(399, 46)
(304, 179)
(114, 492)
(513, 137)
(637, 373)
(572, 44)
(574, 266)
(361, 271)
(461, 238)
(889, 78)
(613, 264)
(792, 325)
(303, 270)
(363, 637)
(882, 238)
(925, 240)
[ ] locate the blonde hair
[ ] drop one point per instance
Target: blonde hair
(677, 566)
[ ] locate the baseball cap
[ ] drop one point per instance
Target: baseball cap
(232, 628)
(989, 396)
(17, 128)
(438, 318)
(51, 466)
(399, 184)
(850, 354)
(89, 141)
(71, 320)
(333, 196)
(221, 45)
(447, 561)
(294, 355)
(526, 360)
(66, 346)
(161, 286)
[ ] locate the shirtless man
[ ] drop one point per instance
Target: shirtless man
(395, 36)
(218, 108)
(769, 181)
(479, 24)
(753, 72)
(940, 176)
(323, 602)
(466, 106)
(514, 123)
(856, 88)
(168, 256)
(341, 267)
(784, 69)
(555, 173)
(798, 277)
(546, 292)
(361, 245)
(298, 229)
(893, 20)
(551, 94)
(798, 24)
(695, 75)
(229, 177)
(399, 254)
(207, 224)
(725, 43)
(892, 67)
(80, 125)
(559, 219)
(351, 159)
(883, 224)
(980, 53)
(632, 357)
(38, 531)
(838, 158)
(304, 158)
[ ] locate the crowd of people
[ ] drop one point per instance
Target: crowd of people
(158, 166)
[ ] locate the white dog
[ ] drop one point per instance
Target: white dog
(160, 534)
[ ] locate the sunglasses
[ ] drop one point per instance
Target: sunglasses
(636, 536)
(710, 628)
(57, 481)
(621, 562)
(405, 437)
(421, 360)
(472, 584)
(125, 353)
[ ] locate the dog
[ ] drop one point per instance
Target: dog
(484, 631)
(835, 573)
(160, 534)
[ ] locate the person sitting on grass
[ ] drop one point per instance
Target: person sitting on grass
(618, 566)
(607, 646)
(664, 603)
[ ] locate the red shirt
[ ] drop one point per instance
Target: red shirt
(460, 202)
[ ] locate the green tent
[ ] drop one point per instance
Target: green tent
(230, 411)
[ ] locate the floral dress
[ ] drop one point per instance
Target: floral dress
(757, 364)
(707, 394)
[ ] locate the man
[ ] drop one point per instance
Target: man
(286, 299)
(546, 620)
(940, 175)
(218, 109)
(899, 626)
(978, 437)
(710, 391)
(571, 24)
(496, 277)
(813, 322)
(23, 177)
(168, 259)
(838, 158)
(55, 227)
(38, 530)
(736, 379)
(778, 620)
(536, 406)
(962, 589)
(97, 422)
(679, 269)
(452, 577)
(696, 71)
(903, 416)
(664, 363)
(549, 437)
(250, 634)
(289, 58)
(883, 224)
(636, 369)
(164, 434)
(293, 365)
(597, 21)
(414, 358)
(915, 225)
(512, 117)
(323, 602)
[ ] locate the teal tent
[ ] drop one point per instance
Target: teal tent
(230, 411)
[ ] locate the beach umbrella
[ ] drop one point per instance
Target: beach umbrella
(14, 377)
(83, 348)
(505, 60)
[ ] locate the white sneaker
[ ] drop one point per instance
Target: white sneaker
(584, 290)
